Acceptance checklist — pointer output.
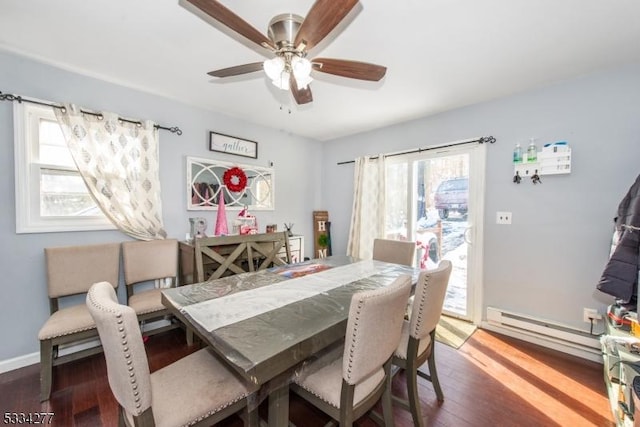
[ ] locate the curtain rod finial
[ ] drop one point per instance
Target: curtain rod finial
(174, 129)
(489, 139)
(10, 97)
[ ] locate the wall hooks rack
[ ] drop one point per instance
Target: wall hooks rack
(553, 159)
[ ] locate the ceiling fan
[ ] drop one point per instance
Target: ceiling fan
(290, 37)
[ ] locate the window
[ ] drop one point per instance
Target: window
(50, 193)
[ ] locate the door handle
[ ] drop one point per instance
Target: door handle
(466, 235)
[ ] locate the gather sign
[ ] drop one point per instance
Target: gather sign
(232, 145)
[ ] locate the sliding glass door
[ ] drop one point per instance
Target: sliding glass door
(435, 198)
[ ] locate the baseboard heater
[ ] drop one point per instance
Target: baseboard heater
(544, 330)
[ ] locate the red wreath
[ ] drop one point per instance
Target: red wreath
(235, 179)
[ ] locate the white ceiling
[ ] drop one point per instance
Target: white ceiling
(440, 54)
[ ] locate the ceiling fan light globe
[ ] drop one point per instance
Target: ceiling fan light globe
(301, 67)
(281, 81)
(303, 81)
(273, 67)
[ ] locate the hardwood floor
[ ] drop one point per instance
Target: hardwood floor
(492, 380)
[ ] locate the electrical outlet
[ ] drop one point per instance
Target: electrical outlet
(590, 313)
(503, 218)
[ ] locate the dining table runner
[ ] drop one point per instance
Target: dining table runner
(219, 312)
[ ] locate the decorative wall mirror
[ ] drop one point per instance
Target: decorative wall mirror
(240, 185)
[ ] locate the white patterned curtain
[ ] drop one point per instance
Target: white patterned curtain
(369, 206)
(119, 164)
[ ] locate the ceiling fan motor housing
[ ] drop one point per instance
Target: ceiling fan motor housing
(283, 29)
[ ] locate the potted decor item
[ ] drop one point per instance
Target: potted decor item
(323, 243)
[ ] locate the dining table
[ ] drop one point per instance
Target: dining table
(265, 324)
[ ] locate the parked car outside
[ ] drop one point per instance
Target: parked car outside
(452, 196)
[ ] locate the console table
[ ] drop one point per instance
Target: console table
(188, 258)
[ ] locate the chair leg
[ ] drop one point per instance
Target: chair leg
(46, 369)
(412, 394)
(433, 373)
(189, 333)
(387, 404)
(346, 405)
(251, 418)
(122, 422)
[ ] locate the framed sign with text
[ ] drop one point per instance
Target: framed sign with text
(232, 145)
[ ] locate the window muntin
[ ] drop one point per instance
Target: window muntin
(50, 193)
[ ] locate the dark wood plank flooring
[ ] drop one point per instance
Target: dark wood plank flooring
(492, 380)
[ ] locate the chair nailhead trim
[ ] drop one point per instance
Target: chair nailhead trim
(125, 348)
(353, 338)
(216, 410)
(420, 313)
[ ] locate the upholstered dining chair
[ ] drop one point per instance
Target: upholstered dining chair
(417, 343)
(395, 251)
(145, 261)
(196, 390)
(70, 271)
(348, 386)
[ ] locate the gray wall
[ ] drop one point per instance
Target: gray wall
(548, 262)
(24, 299)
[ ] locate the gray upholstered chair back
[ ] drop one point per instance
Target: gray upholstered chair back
(428, 300)
(127, 366)
(149, 260)
(395, 251)
(73, 269)
(373, 329)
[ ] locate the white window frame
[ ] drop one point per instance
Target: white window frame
(26, 117)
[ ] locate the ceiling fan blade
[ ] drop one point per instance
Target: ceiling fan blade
(237, 70)
(323, 17)
(226, 17)
(350, 69)
(302, 96)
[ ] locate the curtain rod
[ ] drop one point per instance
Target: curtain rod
(482, 140)
(20, 99)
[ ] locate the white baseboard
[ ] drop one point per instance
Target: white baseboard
(19, 362)
(581, 351)
(33, 358)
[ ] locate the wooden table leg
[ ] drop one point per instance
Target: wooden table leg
(279, 406)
